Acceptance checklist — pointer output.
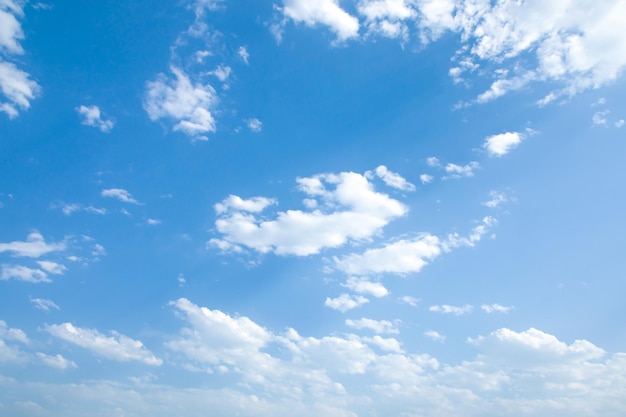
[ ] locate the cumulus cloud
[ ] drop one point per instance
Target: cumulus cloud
(92, 117)
(188, 104)
(34, 246)
(435, 336)
(9, 352)
(23, 273)
(345, 302)
(407, 256)
(407, 299)
(500, 145)
(495, 199)
(426, 179)
(116, 347)
(377, 326)
(16, 86)
(352, 211)
(119, 194)
(392, 179)
(254, 125)
(448, 309)
(364, 286)
(322, 12)
(495, 308)
(44, 304)
(56, 361)
(243, 54)
(458, 171)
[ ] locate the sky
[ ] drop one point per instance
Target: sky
(312, 208)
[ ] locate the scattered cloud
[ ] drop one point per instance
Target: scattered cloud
(116, 347)
(153, 222)
(364, 286)
(120, 194)
(322, 12)
(599, 118)
(495, 308)
(459, 171)
(23, 273)
(426, 179)
(495, 199)
(500, 145)
(447, 309)
(188, 104)
(391, 179)
(345, 302)
(34, 246)
(350, 211)
(222, 72)
(44, 304)
(254, 125)
(619, 123)
(92, 117)
(56, 361)
(236, 203)
(433, 162)
(407, 299)
(243, 53)
(16, 335)
(377, 326)
(435, 336)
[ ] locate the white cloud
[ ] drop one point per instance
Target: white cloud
(401, 257)
(10, 29)
(377, 326)
(52, 267)
(433, 162)
(17, 88)
(619, 123)
(254, 125)
(153, 222)
(10, 353)
(364, 286)
(345, 302)
(459, 171)
(243, 53)
(44, 304)
(56, 361)
(234, 203)
(387, 17)
(448, 309)
(495, 199)
(392, 179)
(189, 104)
(92, 117)
(407, 299)
(222, 72)
(34, 246)
(599, 118)
(426, 179)
(7, 333)
(23, 273)
(324, 12)
(500, 145)
(389, 344)
(435, 336)
(116, 347)
(355, 212)
(495, 308)
(120, 194)
(407, 256)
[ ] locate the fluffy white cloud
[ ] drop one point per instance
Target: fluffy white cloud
(92, 117)
(189, 104)
(500, 145)
(7, 333)
(254, 125)
(116, 347)
(426, 179)
(448, 309)
(44, 304)
(435, 336)
(353, 212)
(234, 203)
(364, 286)
(244, 54)
(34, 246)
(407, 299)
(495, 308)
(16, 86)
(324, 12)
(459, 171)
(392, 179)
(10, 353)
(222, 72)
(119, 194)
(56, 361)
(495, 199)
(345, 302)
(407, 256)
(377, 326)
(23, 273)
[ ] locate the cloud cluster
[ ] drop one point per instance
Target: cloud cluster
(17, 88)
(92, 117)
(576, 43)
(347, 209)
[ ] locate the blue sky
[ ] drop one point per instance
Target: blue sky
(312, 207)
